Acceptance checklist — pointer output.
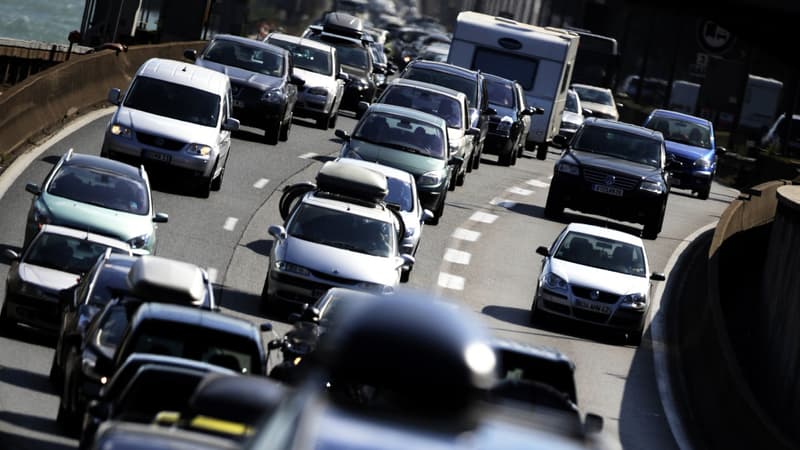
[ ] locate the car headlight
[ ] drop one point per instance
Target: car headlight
(702, 164)
(274, 95)
(555, 283)
(89, 366)
(652, 186)
(119, 130)
(380, 78)
(568, 168)
(433, 178)
(505, 125)
(139, 241)
(374, 287)
(199, 149)
(287, 267)
(318, 91)
(636, 301)
(359, 84)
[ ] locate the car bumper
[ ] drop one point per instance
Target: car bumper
(37, 312)
(584, 310)
(690, 179)
(258, 114)
(497, 144)
(294, 290)
(308, 105)
(135, 153)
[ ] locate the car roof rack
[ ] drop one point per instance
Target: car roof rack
(167, 280)
(359, 183)
(342, 23)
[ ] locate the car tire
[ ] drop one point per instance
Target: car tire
(513, 157)
(504, 160)
(553, 208)
(438, 213)
(216, 183)
(286, 128)
(56, 376)
(272, 131)
(704, 192)
(332, 120)
(470, 163)
(535, 316)
(451, 185)
(405, 274)
(653, 227)
(461, 178)
(477, 163)
(67, 419)
(203, 189)
(7, 326)
(541, 151)
(634, 337)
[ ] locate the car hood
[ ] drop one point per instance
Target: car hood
(601, 108)
(46, 277)
(615, 164)
(242, 76)
(121, 225)
(601, 279)
(410, 162)
(314, 79)
(339, 262)
(686, 151)
(143, 122)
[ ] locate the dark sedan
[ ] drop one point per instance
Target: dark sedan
(507, 131)
(264, 86)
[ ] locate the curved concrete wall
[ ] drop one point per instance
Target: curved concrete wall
(43, 101)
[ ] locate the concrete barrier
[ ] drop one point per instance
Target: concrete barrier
(43, 102)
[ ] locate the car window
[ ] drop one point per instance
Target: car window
(343, 230)
(112, 327)
(601, 96)
(64, 253)
(440, 105)
(619, 144)
(101, 188)
(400, 194)
(469, 86)
(500, 93)
(109, 280)
(307, 58)
(402, 133)
(682, 131)
(248, 58)
(571, 104)
(349, 54)
(175, 101)
(602, 253)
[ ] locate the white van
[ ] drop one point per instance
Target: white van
(540, 59)
(175, 116)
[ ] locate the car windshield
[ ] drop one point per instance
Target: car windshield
(252, 59)
(572, 102)
(307, 58)
(500, 93)
(682, 131)
(110, 280)
(112, 326)
(402, 133)
(601, 96)
(101, 188)
(175, 101)
(441, 105)
(64, 253)
(353, 56)
(342, 229)
(619, 144)
(602, 253)
(399, 194)
(468, 86)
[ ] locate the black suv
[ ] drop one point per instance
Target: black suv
(346, 34)
(614, 169)
(472, 83)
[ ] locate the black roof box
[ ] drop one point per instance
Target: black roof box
(345, 24)
(352, 181)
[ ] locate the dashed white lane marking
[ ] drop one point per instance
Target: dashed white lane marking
(466, 235)
(537, 183)
(519, 191)
(451, 281)
(230, 223)
(457, 256)
(308, 155)
(480, 216)
(508, 204)
(212, 275)
(261, 183)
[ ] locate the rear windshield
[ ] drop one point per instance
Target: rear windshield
(245, 57)
(307, 58)
(469, 86)
(440, 105)
(175, 101)
(500, 93)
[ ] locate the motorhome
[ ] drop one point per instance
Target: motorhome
(540, 59)
(762, 96)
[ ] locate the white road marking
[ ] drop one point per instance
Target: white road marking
(451, 281)
(261, 183)
(230, 223)
(212, 275)
(508, 204)
(308, 155)
(519, 191)
(480, 216)
(457, 256)
(466, 235)
(537, 183)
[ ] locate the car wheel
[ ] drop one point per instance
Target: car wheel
(553, 207)
(541, 151)
(634, 337)
(653, 227)
(216, 183)
(203, 189)
(287, 126)
(461, 178)
(438, 213)
(535, 316)
(477, 163)
(704, 192)
(470, 163)
(405, 274)
(56, 376)
(271, 132)
(504, 159)
(7, 326)
(332, 120)
(513, 157)
(67, 416)
(322, 122)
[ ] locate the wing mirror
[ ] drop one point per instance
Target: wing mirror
(361, 108)
(560, 141)
(427, 215)
(593, 423)
(277, 231)
(230, 124)
(489, 111)
(297, 81)
(473, 132)
(191, 55)
(721, 151)
(343, 76)
(161, 218)
(658, 276)
(587, 112)
(33, 188)
(114, 96)
(341, 134)
(11, 255)
(542, 250)
(407, 260)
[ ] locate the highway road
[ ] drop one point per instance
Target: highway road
(481, 255)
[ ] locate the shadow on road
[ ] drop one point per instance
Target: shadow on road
(16, 441)
(26, 380)
(251, 304)
(261, 246)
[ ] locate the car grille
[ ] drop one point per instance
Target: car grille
(333, 279)
(601, 176)
(603, 297)
(243, 92)
(557, 307)
(687, 162)
(160, 142)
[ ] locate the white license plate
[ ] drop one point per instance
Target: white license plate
(611, 190)
(238, 104)
(162, 157)
(605, 309)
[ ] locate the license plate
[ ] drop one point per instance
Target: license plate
(610, 190)
(157, 156)
(238, 104)
(605, 309)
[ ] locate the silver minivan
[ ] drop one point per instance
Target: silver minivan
(174, 116)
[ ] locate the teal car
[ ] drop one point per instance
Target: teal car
(98, 195)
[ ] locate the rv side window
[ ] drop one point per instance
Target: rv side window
(506, 65)
(567, 77)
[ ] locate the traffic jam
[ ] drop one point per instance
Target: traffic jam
(145, 355)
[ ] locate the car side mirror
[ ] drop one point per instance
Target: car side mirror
(343, 76)
(560, 141)
(191, 55)
(721, 151)
(593, 423)
(341, 134)
(230, 124)
(542, 250)
(427, 215)
(277, 231)
(392, 69)
(587, 112)
(620, 105)
(274, 344)
(473, 132)
(537, 111)
(658, 276)
(295, 80)
(10, 254)
(114, 96)
(362, 107)
(33, 188)
(379, 69)
(310, 314)
(408, 260)
(161, 218)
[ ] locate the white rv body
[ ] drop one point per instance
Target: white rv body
(760, 103)
(683, 97)
(540, 59)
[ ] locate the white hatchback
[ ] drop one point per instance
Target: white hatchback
(596, 275)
